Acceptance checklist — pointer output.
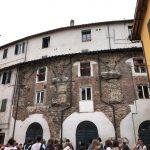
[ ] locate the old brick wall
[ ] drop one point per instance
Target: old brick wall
(63, 84)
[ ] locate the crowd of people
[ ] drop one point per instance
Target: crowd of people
(95, 144)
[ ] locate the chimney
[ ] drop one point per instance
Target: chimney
(71, 22)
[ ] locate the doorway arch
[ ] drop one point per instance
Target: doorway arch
(144, 133)
(86, 131)
(34, 130)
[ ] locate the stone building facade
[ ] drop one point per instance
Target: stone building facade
(108, 82)
(76, 82)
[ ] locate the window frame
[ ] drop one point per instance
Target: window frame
(45, 42)
(37, 74)
(86, 35)
(82, 69)
(6, 77)
(86, 95)
(5, 52)
(3, 105)
(143, 92)
(40, 101)
(130, 27)
(139, 66)
(20, 48)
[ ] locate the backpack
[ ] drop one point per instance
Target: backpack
(42, 147)
(27, 147)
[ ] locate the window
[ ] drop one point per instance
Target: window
(19, 48)
(148, 26)
(86, 93)
(5, 53)
(86, 35)
(130, 30)
(139, 66)
(3, 105)
(85, 69)
(143, 91)
(46, 42)
(41, 74)
(6, 77)
(2, 136)
(39, 97)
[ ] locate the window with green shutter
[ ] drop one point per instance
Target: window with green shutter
(3, 105)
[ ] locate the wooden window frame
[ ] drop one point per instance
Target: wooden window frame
(86, 35)
(46, 42)
(40, 97)
(86, 94)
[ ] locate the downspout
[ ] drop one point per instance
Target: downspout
(14, 94)
(136, 112)
(100, 96)
(109, 37)
(17, 104)
(25, 57)
(63, 110)
(17, 90)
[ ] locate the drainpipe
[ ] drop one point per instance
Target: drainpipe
(17, 104)
(14, 94)
(110, 105)
(25, 58)
(63, 110)
(108, 30)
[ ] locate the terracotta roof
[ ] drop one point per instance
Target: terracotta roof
(140, 10)
(68, 28)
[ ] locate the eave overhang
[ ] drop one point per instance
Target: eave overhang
(139, 15)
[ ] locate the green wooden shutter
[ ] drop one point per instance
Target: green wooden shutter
(3, 105)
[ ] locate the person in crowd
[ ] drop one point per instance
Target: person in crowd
(100, 140)
(57, 145)
(19, 146)
(82, 146)
(108, 145)
(38, 144)
(10, 145)
(124, 146)
(28, 144)
(96, 144)
(68, 145)
(139, 145)
(115, 145)
(50, 145)
(89, 144)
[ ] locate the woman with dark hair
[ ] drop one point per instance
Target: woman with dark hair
(116, 145)
(108, 145)
(50, 145)
(11, 145)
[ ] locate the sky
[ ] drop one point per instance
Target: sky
(21, 18)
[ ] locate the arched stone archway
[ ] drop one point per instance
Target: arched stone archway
(34, 130)
(144, 132)
(86, 131)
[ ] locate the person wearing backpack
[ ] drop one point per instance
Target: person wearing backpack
(38, 145)
(27, 145)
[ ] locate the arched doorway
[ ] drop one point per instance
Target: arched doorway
(144, 133)
(85, 131)
(34, 130)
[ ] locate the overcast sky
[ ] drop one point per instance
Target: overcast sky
(21, 18)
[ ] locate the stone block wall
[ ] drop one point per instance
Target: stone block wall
(63, 84)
